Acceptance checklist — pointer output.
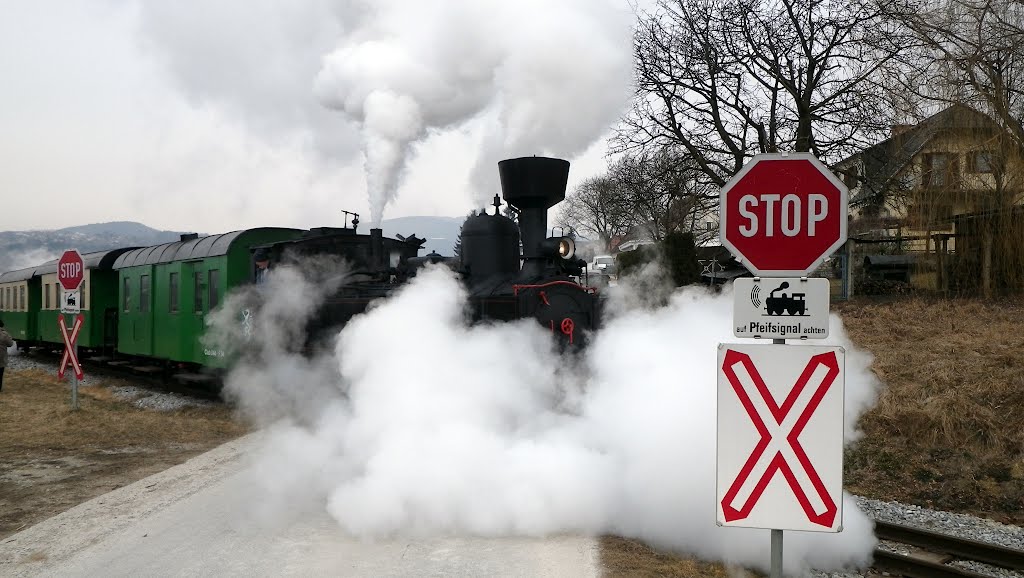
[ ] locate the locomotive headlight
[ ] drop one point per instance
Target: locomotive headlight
(560, 247)
(566, 248)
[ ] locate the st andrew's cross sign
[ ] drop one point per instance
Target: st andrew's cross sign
(780, 437)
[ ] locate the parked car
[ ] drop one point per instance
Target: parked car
(603, 265)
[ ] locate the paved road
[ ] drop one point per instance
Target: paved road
(186, 522)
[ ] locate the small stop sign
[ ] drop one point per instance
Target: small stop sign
(70, 270)
(783, 214)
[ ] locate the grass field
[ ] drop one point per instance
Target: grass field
(52, 458)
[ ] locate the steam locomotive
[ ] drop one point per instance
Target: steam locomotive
(502, 282)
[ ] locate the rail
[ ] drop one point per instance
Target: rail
(952, 547)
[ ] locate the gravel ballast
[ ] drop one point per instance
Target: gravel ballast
(960, 525)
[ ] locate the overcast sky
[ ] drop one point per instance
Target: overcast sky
(215, 116)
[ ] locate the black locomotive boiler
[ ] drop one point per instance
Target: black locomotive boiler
(510, 271)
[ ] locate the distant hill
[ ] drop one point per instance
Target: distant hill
(20, 249)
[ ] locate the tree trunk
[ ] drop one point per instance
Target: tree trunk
(986, 263)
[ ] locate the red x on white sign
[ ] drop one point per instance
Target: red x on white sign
(69, 346)
(801, 438)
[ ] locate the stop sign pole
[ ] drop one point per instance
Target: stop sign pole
(70, 274)
(782, 215)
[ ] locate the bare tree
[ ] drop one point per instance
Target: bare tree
(663, 193)
(970, 52)
(723, 80)
(596, 208)
(656, 192)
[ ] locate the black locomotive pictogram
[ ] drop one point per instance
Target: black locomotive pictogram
(791, 305)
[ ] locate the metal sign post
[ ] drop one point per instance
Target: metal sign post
(776, 552)
(74, 379)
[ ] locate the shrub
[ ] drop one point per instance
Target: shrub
(680, 257)
(677, 254)
(632, 261)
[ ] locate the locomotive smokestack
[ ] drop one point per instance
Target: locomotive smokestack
(533, 185)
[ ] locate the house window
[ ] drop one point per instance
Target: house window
(214, 288)
(127, 295)
(144, 293)
(172, 297)
(940, 170)
(197, 287)
(979, 161)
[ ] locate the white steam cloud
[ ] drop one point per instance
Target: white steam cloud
(418, 423)
(546, 78)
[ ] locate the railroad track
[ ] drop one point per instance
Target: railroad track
(144, 377)
(933, 552)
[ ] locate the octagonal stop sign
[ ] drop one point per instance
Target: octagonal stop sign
(783, 214)
(70, 270)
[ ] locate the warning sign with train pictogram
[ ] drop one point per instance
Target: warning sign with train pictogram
(781, 308)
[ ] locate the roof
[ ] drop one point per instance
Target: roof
(95, 260)
(18, 275)
(883, 161)
(633, 244)
(190, 249)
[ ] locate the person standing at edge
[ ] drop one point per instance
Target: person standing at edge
(5, 341)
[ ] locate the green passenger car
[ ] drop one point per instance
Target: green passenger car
(19, 304)
(166, 291)
(98, 294)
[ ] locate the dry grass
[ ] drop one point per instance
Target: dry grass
(622, 558)
(948, 429)
(53, 458)
(35, 415)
